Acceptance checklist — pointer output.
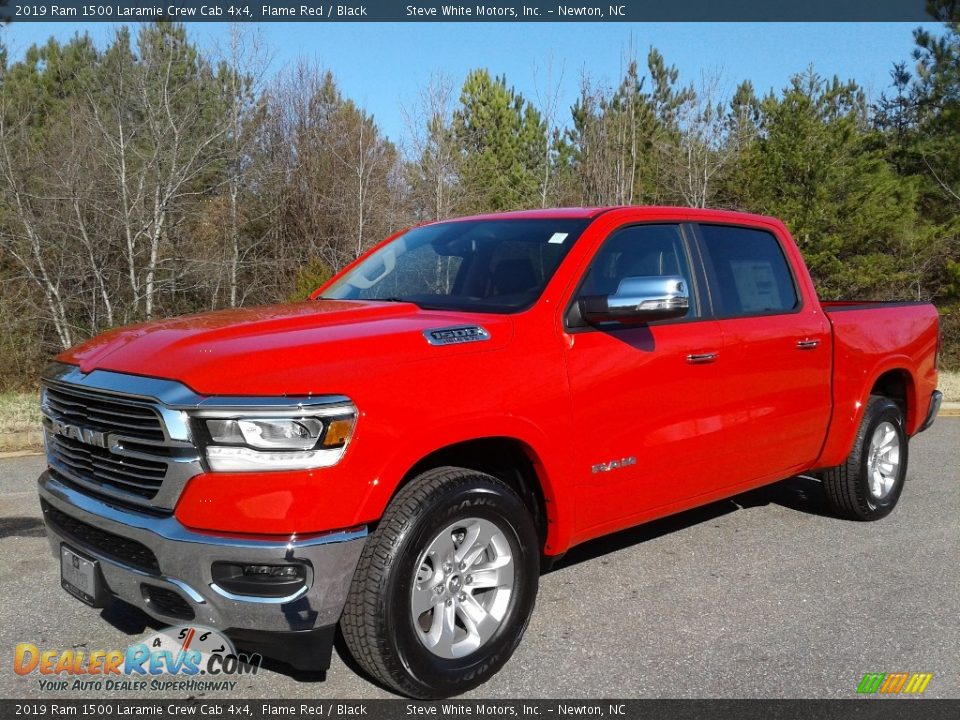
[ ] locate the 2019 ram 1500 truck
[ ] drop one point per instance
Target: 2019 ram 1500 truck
(402, 453)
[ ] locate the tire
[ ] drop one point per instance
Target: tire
(419, 656)
(865, 487)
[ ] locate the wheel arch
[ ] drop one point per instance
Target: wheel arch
(899, 385)
(892, 379)
(516, 463)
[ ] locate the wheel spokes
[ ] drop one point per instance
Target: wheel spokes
(424, 598)
(480, 625)
(883, 459)
(443, 629)
(475, 543)
(462, 587)
(886, 443)
(441, 549)
(496, 573)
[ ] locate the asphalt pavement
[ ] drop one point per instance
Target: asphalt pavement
(761, 596)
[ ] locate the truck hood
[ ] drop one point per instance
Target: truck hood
(314, 347)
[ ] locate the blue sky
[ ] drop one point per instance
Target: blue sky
(382, 66)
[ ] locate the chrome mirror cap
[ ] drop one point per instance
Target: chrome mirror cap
(639, 300)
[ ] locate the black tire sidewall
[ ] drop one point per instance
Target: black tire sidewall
(440, 677)
(879, 507)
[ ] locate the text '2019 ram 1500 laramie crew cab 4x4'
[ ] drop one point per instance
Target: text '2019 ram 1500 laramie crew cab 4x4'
(400, 454)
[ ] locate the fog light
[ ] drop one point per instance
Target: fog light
(259, 580)
(274, 570)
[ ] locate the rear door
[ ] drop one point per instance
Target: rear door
(776, 352)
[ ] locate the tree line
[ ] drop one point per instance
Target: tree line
(152, 177)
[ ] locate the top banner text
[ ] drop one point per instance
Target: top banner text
(430, 11)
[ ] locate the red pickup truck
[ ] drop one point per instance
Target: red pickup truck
(401, 455)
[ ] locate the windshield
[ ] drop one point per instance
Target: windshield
(480, 265)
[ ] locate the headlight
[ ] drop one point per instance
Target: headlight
(268, 433)
(299, 439)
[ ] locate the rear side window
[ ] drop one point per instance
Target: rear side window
(750, 273)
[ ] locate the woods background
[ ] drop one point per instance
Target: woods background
(152, 177)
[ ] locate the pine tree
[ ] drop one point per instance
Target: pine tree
(500, 137)
(812, 164)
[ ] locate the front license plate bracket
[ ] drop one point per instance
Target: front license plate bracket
(81, 577)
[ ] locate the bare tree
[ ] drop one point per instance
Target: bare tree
(364, 157)
(548, 103)
(24, 238)
(700, 150)
(243, 69)
(432, 151)
(78, 179)
(335, 170)
(159, 138)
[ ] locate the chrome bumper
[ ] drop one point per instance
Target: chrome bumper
(185, 558)
(936, 399)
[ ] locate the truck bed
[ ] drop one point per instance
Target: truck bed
(870, 339)
(841, 305)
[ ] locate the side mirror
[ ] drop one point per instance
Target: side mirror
(639, 300)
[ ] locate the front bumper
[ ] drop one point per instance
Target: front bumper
(181, 563)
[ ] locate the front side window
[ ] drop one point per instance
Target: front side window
(474, 265)
(638, 251)
(750, 272)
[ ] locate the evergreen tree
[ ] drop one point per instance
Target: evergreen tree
(812, 165)
(500, 137)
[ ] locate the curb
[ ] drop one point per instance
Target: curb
(949, 409)
(6, 455)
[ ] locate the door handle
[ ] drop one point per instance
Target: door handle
(701, 358)
(807, 344)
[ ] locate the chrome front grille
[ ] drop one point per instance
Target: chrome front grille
(135, 475)
(104, 413)
(116, 445)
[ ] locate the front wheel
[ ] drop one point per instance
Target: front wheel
(445, 585)
(868, 485)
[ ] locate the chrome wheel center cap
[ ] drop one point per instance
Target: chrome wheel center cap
(454, 584)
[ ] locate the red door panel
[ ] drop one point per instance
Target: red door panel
(636, 395)
(776, 352)
(780, 369)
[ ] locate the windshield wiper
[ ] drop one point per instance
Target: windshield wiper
(393, 298)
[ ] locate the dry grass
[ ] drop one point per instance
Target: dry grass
(950, 385)
(19, 411)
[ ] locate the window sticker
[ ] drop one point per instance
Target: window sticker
(756, 285)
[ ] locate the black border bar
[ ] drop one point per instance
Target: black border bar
(116, 11)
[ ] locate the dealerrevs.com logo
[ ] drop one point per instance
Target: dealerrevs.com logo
(189, 658)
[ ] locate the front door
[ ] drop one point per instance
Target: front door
(646, 399)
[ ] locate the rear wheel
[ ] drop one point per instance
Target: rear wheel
(868, 485)
(445, 585)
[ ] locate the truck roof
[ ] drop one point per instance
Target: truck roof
(592, 212)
